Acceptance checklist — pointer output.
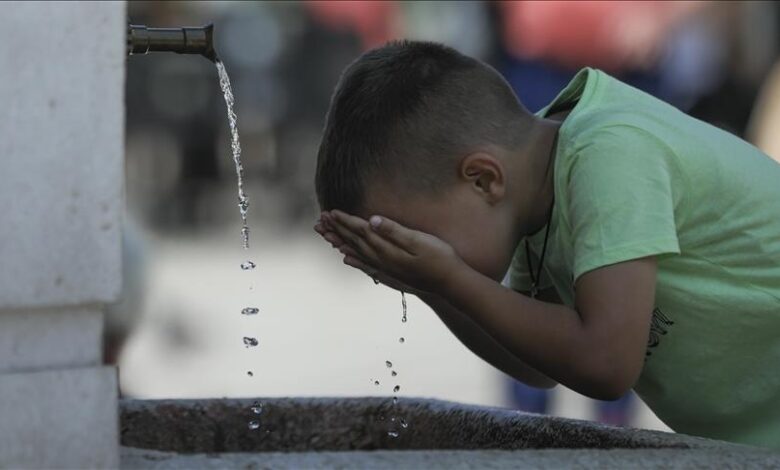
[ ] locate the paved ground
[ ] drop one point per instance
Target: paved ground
(482, 459)
(323, 330)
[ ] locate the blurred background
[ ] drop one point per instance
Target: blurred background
(323, 329)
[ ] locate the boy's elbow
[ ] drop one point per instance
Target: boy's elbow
(608, 391)
(609, 381)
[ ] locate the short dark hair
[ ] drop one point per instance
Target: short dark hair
(403, 112)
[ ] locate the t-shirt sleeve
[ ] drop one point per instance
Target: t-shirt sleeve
(621, 205)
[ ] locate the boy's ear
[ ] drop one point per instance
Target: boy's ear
(485, 173)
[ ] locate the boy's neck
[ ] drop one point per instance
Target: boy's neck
(537, 202)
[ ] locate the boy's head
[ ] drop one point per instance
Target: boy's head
(421, 133)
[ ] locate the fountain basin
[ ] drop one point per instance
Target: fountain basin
(353, 433)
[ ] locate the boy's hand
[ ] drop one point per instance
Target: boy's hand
(402, 258)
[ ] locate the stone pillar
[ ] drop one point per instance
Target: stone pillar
(61, 199)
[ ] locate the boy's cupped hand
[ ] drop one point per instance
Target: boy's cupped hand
(404, 259)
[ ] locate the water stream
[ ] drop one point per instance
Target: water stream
(235, 145)
(243, 207)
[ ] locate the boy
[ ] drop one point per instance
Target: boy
(643, 246)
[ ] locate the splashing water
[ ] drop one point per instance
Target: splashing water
(250, 311)
(250, 341)
(403, 307)
(243, 201)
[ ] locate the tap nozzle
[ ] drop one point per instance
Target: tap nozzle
(186, 40)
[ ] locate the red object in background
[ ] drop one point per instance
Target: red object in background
(611, 35)
(374, 22)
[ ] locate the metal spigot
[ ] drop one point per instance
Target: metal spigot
(187, 40)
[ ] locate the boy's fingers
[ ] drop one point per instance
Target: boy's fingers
(329, 236)
(348, 250)
(355, 239)
(393, 231)
(361, 229)
(357, 263)
(332, 238)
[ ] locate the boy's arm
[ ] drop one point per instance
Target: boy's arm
(597, 348)
(483, 345)
(467, 332)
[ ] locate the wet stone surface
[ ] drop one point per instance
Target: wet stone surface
(349, 424)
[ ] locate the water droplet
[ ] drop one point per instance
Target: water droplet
(392, 434)
(250, 341)
(404, 424)
(381, 417)
(254, 424)
(250, 373)
(401, 339)
(396, 388)
(403, 307)
(395, 402)
(245, 235)
(250, 311)
(388, 364)
(393, 373)
(257, 408)
(392, 420)
(376, 382)
(247, 265)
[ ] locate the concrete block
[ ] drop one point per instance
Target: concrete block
(50, 339)
(61, 152)
(59, 419)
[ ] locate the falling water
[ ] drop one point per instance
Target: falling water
(243, 206)
(250, 311)
(243, 201)
(403, 307)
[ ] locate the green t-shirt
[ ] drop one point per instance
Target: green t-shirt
(635, 177)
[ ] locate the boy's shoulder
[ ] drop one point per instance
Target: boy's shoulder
(608, 109)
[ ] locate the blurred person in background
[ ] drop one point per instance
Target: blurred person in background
(122, 317)
(765, 124)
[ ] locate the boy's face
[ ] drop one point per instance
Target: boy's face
(476, 230)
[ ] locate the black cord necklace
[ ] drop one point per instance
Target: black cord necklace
(535, 279)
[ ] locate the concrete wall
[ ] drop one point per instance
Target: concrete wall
(61, 197)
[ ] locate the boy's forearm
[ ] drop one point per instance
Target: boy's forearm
(549, 338)
(481, 344)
